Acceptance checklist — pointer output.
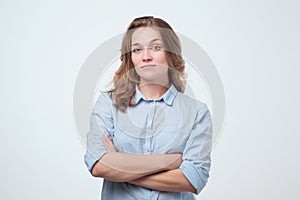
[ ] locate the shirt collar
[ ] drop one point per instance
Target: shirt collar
(168, 96)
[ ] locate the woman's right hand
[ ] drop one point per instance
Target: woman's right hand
(108, 143)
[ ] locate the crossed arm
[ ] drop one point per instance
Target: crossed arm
(157, 171)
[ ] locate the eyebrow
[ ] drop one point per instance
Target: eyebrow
(154, 40)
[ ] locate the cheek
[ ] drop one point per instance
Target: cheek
(135, 60)
(162, 59)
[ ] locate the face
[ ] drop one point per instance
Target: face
(148, 56)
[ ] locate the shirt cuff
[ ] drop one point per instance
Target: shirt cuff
(194, 176)
(90, 160)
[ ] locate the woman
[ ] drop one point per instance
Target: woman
(147, 139)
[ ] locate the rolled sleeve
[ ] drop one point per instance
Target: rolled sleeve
(90, 160)
(196, 155)
(101, 123)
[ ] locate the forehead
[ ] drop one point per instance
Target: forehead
(145, 35)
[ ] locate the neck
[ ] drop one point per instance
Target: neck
(153, 90)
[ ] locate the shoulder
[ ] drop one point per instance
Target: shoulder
(191, 103)
(103, 102)
(104, 97)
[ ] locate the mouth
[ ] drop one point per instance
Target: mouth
(147, 66)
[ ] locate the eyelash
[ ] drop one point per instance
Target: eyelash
(153, 48)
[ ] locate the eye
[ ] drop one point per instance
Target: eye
(156, 47)
(136, 50)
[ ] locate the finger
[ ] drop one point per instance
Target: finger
(111, 144)
(108, 144)
(104, 140)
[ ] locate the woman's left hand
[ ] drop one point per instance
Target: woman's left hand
(108, 143)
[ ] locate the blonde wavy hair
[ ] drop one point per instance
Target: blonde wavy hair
(126, 78)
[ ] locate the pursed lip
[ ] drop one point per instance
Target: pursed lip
(146, 66)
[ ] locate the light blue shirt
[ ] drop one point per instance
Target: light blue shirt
(176, 123)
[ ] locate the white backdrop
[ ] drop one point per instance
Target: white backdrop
(255, 46)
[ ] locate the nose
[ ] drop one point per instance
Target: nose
(147, 55)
